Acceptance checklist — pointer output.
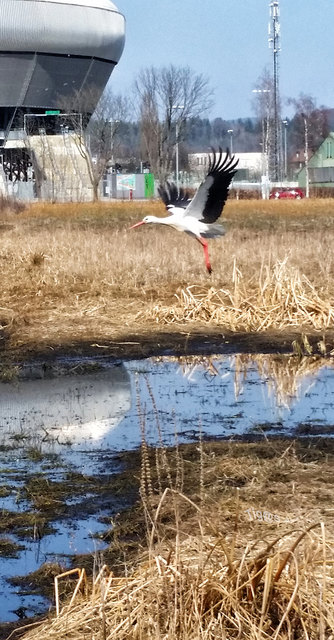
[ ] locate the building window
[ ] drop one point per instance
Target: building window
(329, 149)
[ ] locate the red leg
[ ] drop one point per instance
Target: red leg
(206, 253)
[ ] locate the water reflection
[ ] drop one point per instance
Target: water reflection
(71, 409)
(230, 394)
(236, 395)
(284, 375)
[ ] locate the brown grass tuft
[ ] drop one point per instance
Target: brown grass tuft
(206, 585)
(9, 205)
(282, 298)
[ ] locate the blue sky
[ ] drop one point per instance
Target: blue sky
(227, 41)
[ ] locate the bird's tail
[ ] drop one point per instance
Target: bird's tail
(214, 231)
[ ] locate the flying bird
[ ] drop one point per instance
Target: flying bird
(198, 216)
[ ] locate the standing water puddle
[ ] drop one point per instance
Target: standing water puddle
(52, 426)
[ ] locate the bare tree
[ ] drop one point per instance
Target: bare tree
(263, 105)
(96, 130)
(306, 107)
(310, 127)
(166, 97)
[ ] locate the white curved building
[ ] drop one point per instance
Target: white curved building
(50, 48)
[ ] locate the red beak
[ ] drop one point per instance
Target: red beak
(138, 224)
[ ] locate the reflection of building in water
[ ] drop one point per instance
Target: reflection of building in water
(73, 408)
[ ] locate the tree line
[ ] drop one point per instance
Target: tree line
(170, 106)
(242, 134)
(167, 109)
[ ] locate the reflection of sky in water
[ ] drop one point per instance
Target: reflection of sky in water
(223, 404)
(86, 418)
(69, 538)
(223, 395)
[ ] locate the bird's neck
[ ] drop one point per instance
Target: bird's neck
(157, 220)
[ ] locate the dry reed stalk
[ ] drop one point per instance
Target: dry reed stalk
(191, 591)
(283, 298)
(82, 580)
(283, 374)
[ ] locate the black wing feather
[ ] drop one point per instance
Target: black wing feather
(172, 196)
(221, 169)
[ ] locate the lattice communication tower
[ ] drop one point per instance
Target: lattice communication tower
(274, 38)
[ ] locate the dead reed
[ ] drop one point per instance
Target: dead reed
(281, 298)
(207, 585)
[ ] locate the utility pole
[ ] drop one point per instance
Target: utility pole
(285, 122)
(274, 44)
(177, 128)
(230, 131)
(307, 173)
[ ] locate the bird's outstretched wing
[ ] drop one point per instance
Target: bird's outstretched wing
(171, 196)
(211, 195)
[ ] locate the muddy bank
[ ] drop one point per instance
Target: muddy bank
(178, 340)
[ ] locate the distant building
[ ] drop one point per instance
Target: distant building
(51, 50)
(321, 165)
(250, 168)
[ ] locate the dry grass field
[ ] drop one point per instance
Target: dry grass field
(74, 275)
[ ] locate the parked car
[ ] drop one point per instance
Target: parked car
(280, 193)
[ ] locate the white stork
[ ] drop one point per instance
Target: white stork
(198, 216)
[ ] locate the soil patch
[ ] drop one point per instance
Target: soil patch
(153, 341)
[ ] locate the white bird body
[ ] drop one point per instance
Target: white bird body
(188, 224)
(198, 216)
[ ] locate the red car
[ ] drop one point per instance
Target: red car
(282, 193)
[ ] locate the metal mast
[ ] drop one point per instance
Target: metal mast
(274, 44)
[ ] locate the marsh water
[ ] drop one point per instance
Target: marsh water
(76, 417)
